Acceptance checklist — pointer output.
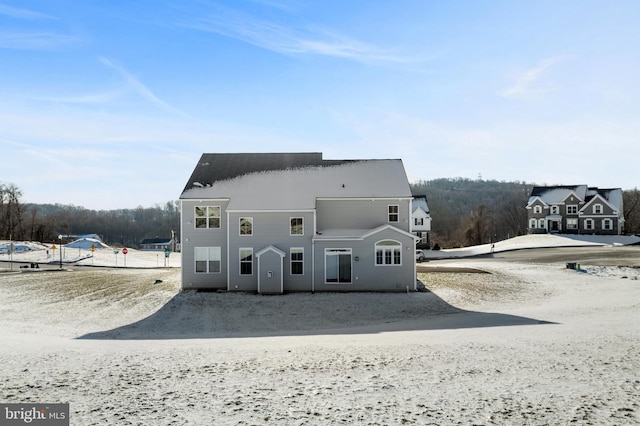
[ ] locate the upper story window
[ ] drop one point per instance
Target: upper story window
(246, 226)
(597, 209)
(394, 212)
(388, 252)
(419, 221)
(207, 216)
(555, 209)
(572, 209)
(296, 226)
(537, 209)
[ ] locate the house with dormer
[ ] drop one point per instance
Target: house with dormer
(576, 209)
(285, 222)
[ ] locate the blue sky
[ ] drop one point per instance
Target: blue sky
(109, 104)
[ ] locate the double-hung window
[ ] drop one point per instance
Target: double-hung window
(246, 261)
(597, 209)
(607, 224)
(208, 260)
(572, 209)
(394, 212)
(588, 224)
(297, 261)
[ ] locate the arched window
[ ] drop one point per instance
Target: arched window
(388, 252)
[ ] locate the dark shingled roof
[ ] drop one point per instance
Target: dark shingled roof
(217, 167)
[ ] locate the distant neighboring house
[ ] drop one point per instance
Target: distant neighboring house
(575, 209)
(156, 244)
(421, 219)
(284, 222)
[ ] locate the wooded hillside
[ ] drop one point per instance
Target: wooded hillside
(464, 212)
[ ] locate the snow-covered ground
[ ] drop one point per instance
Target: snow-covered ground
(528, 343)
(44, 254)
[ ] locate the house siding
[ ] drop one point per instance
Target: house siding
(366, 275)
(270, 228)
(202, 237)
(361, 213)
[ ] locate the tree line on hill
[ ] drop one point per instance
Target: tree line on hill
(464, 212)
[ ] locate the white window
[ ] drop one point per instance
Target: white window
(337, 266)
(388, 252)
(208, 260)
(207, 216)
(541, 224)
(537, 209)
(297, 261)
(246, 261)
(394, 212)
(555, 209)
(588, 224)
(572, 223)
(246, 226)
(597, 209)
(296, 226)
(572, 209)
(533, 223)
(607, 224)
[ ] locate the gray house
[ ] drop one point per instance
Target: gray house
(284, 222)
(576, 209)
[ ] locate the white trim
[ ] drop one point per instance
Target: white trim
(202, 200)
(394, 247)
(240, 261)
(338, 249)
(280, 253)
(291, 261)
(296, 217)
(363, 198)
(240, 234)
(593, 200)
(270, 211)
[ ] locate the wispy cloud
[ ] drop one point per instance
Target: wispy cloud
(527, 85)
(140, 88)
(87, 98)
(35, 40)
(292, 39)
(15, 12)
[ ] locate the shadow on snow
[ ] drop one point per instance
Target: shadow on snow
(194, 315)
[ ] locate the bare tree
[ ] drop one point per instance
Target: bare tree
(11, 211)
(631, 211)
(478, 228)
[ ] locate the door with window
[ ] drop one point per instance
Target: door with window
(337, 266)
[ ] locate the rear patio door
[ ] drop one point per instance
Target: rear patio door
(338, 265)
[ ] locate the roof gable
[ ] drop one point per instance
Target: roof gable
(557, 194)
